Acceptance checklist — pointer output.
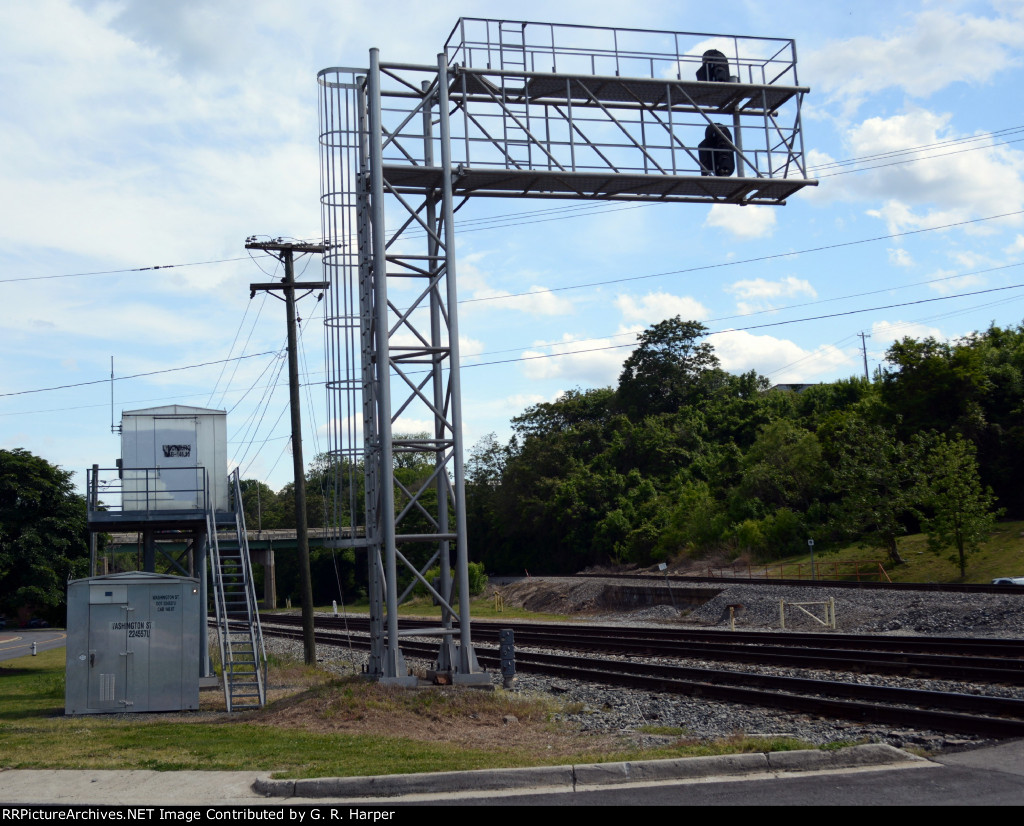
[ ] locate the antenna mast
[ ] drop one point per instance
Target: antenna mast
(114, 428)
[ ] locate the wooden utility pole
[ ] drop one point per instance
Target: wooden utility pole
(864, 350)
(285, 252)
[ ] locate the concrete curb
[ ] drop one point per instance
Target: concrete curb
(571, 778)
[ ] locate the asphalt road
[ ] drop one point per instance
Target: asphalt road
(17, 642)
(986, 777)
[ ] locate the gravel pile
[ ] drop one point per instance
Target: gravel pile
(869, 611)
(609, 709)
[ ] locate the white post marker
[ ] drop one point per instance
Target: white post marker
(664, 569)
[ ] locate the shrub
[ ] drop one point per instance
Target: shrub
(477, 579)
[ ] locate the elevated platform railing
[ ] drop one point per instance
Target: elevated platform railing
(145, 490)
(559, 48)
(575, 112)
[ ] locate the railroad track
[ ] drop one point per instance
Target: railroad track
(839, 584)
(1000, 661)
(965, 659)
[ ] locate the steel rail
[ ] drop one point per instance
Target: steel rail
(1004, 652)
(996, 717)
(931, 587)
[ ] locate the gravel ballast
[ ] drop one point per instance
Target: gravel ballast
(604, 709)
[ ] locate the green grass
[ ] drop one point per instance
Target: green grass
(34, 733)
(1001, 555)
(664, 731)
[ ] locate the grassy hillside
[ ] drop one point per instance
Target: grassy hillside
(1002, 555)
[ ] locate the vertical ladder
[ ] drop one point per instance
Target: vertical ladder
(242, 653)
(512, 47)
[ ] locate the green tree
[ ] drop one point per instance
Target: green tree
(877, 480)
(783, 468)
(815, 403)
(334, 492)
(665, 371)
(43, 534)
(571, 409)
(937, 385)
(486, 462)
(261, 505)
(960, 512)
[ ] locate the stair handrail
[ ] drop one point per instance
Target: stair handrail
(255, 628)
(219, 608)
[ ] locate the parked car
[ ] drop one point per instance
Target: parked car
(1008, 580)
(37, 623)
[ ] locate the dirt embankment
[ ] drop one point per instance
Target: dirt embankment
(555, 595)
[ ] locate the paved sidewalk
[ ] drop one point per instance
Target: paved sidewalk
(188, 788)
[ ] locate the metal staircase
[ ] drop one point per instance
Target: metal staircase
(242, 653)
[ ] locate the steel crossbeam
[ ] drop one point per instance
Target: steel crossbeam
(511, 109)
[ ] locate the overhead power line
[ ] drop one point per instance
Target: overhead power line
(116, 272)
(564, 212)
(784, 307)
(596, 338)
(755, 260)
(911, 160)
(133, 376)
(752, 326)
(925, 147)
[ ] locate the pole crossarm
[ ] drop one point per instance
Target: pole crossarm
(512, 109)
(298, 285)
(294, 247)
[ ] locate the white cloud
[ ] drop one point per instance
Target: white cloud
(122, 158)
(520, 401)
(742, 221)
(469, 347)
(351, 426)
(936, 188)
(1016, 247)
(655, 307)
(758, 294)
(408, 425)
(745, 57)
(820, 164)
(938, 49)
(533, 301)
(899, 217)
(779, 359)
(884, 333)
(946, 282)
(900, 257)
(485, 414)
(594, 361)
(87, 318)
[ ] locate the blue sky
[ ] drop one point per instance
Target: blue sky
(145, 134)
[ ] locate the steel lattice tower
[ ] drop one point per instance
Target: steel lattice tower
(513, 110)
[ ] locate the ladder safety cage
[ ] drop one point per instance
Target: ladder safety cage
(511, 109)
